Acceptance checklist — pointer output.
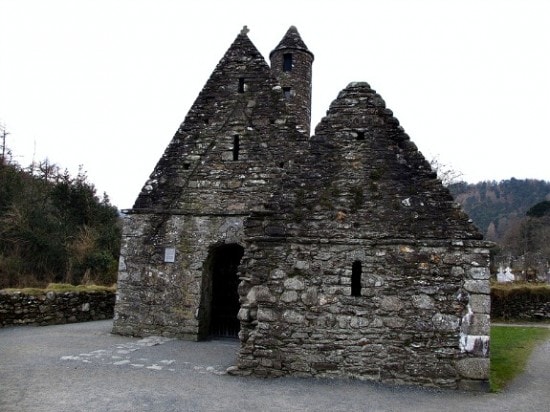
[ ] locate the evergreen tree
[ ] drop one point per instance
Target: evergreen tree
(53, 228)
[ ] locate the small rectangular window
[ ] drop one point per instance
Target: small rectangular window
(241, 84)
(356, 278)
(287, 62)
(236, 147)
(287, 92)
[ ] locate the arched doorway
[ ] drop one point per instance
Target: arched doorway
(224, 306)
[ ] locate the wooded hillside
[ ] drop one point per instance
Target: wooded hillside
(53, 228)
(500, 208)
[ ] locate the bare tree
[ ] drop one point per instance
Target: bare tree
(3, 135)
(445, 172)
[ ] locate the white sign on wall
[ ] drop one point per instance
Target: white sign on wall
(169, 254)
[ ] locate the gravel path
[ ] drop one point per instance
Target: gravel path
(82, 367)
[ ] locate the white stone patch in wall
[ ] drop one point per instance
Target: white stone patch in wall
(469, 343)
(467, 318)
(121, 264)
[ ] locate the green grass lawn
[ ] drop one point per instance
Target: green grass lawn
(510, 350)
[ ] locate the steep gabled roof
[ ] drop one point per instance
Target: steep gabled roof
(364, 178)
(221, 111)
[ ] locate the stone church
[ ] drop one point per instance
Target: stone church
(337, 254)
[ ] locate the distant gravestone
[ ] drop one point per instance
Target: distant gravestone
(505, 276)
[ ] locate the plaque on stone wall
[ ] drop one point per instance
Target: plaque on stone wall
(169, 255)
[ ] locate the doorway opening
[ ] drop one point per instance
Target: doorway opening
(225, 297)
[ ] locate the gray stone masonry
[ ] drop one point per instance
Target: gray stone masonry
(53, 308)
(338, 255)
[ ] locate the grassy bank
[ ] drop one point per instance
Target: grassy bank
(62, 287)
(510, 351)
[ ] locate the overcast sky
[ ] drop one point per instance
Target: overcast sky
(106, 83)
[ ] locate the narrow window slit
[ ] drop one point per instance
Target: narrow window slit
(236, 147)
(356, 278)
(241, 84)
(186, 166)
(360, 135)
(287, 62)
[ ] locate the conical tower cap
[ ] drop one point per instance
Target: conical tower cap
(291, 41)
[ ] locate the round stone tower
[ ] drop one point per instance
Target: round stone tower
(291, 63)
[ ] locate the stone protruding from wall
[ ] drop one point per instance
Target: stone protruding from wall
(53, 308)
(291, 64)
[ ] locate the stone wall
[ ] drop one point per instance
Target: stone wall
(364, 197)
(235, 146)
(356, 261)
(156, 297)
(52, 308)
(522, 304)
(422, 315)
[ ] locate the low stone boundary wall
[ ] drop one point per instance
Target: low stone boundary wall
(52, 308)
(526, 304)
